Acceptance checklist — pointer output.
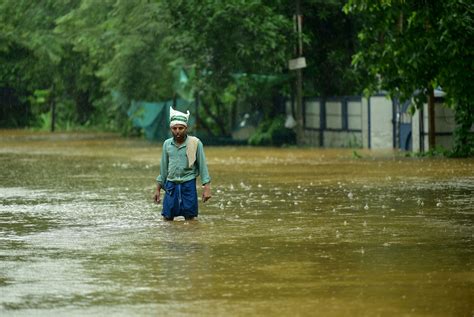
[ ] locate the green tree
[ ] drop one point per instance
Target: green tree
(330, 41)
(231, 47)
(415, 46)
(26, 30)
(37, 61)
(123, 40)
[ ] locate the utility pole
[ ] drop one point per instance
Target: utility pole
(298, 64)
(431, 119)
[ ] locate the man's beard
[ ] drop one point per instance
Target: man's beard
(180, 136)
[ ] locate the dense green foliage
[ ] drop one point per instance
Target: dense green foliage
(410, 47)
(75, 55)
(273, 132)
(88, 59)
(38, 63)
(330, 37)
(231, 50)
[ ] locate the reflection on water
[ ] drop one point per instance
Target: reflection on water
(288, 232)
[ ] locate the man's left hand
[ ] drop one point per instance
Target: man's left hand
(206, 193)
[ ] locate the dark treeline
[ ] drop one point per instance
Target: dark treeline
(79, 56)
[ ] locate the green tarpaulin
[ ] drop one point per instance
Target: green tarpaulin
(153, 117)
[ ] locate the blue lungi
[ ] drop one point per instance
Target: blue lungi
(180, 199)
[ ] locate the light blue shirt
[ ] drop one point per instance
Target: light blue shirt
(174, 165)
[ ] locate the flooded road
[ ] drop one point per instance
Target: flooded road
(301, 232)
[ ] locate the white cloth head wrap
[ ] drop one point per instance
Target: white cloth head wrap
(177, 117)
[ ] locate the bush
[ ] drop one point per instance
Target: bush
(273, 132)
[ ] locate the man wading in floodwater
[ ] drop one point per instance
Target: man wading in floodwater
(182, 161)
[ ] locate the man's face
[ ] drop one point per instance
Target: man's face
(179, 132)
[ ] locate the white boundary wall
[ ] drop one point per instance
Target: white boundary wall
(369, 123)
(381, 122)
(334, 122)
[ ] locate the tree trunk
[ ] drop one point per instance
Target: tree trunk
(196, 110)
(299, 81)
(175, 97)
(299, 108)
(52, 104)
(431, 119)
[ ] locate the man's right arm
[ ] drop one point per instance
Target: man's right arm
(157, 195)
(161, 179)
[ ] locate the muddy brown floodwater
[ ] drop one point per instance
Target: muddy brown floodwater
(288, 232)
